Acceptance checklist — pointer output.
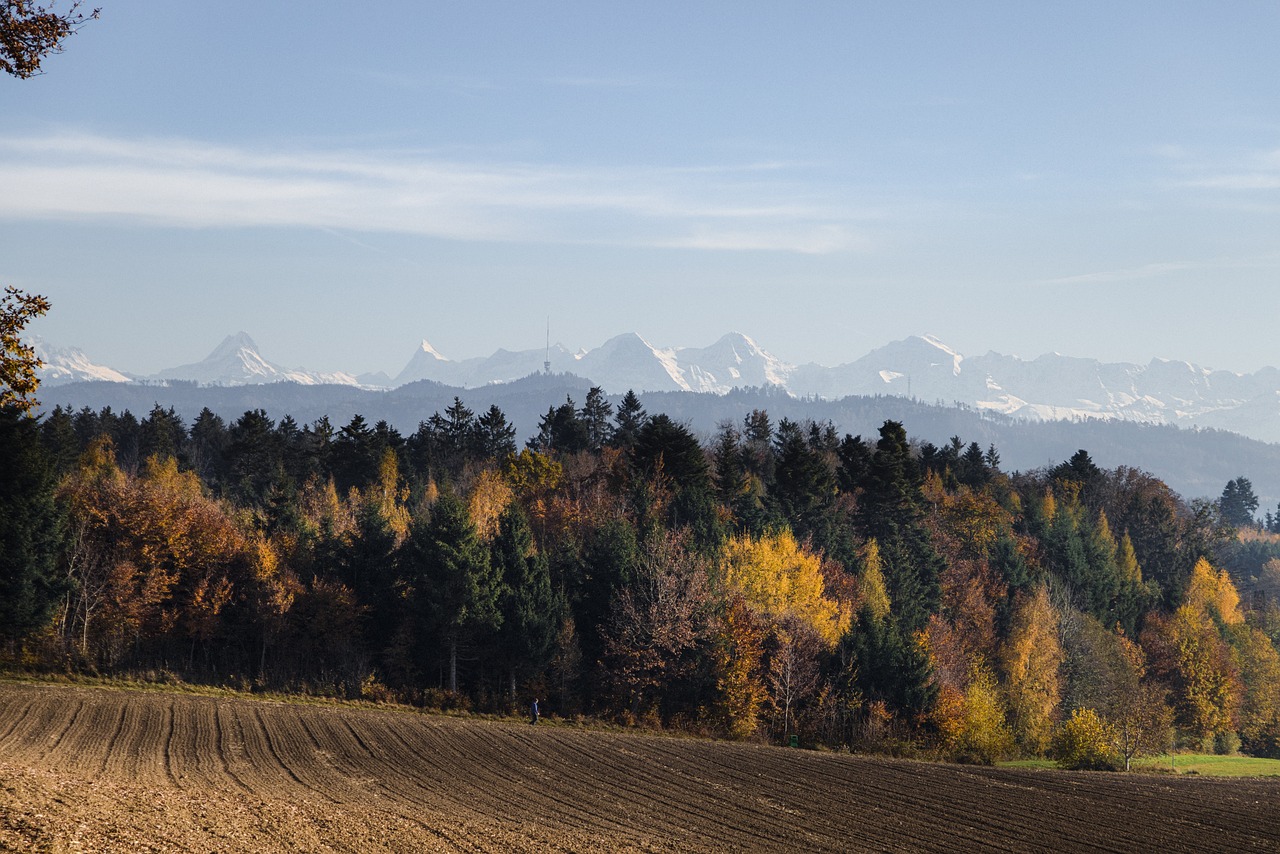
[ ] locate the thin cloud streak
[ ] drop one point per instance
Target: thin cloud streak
(1256, 170)
(1155, 270)
(190, 184)
(1147, 271)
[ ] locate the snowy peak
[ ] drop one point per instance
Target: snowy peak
(70, 364)
(236, 361)
(947, 352)
(732, 362)
(431, 352)
(234, 346)
(629, 362)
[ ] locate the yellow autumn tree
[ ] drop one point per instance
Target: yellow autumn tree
(177, 529)
(389, 494)
(1127, 561)
(1187, 652)
(1085, 742)
(778, 577)
(983, 735)
(1260, 674)
(533, 477)
(871, 587)
(1031, 658)
(322, 509)
(1212, 594)
(489, 498)
(151, 553)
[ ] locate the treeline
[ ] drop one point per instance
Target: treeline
(779, 580)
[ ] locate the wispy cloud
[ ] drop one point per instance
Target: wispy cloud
(1146, 271)
(1155, 270)
(191, 184)
(1252, 171)
(1240, 181)
(810, 241)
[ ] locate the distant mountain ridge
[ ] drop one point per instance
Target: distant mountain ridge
(1051, 387)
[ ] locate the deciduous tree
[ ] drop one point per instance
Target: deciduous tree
(31, 31)
(1030, 660)
(780, 578)
(18, 362)
(658, 619)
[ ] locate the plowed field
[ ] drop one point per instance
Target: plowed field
(91, 769)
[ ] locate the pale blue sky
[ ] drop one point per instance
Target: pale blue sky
(1099, 179)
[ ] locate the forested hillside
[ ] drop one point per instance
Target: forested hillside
(1194, 463)
(778, 580)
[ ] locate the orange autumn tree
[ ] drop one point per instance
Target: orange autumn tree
(154, 557)
(738, 655)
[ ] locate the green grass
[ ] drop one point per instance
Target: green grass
(1209, 765)
(1202, 764)
(1028, 763)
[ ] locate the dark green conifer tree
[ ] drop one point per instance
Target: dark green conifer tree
(595, 414)
(533, 609)
(456, 585)
(890, 511)
(496, 438)
(628, 421)
(31, 528)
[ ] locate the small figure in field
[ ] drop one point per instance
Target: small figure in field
(533, 711)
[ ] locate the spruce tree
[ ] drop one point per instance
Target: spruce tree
(628, 421)
(890, 512)
(533, 609)
(457, 586)
(30, 528)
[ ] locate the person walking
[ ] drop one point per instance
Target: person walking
(533, 711)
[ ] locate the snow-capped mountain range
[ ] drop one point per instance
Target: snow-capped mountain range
(1050, 387)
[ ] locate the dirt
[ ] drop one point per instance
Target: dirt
(96, 769)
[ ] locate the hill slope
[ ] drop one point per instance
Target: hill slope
(111, 770)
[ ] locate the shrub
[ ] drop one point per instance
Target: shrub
(983, 736)
(1226, 743)
(1084, 742)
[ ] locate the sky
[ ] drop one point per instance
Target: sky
(343, 180)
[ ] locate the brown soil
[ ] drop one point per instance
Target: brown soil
(94, 769)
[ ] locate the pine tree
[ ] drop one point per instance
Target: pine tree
(254, 457)
(1238, 503)
(804, 483)
(891, 666)
(163, 433)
